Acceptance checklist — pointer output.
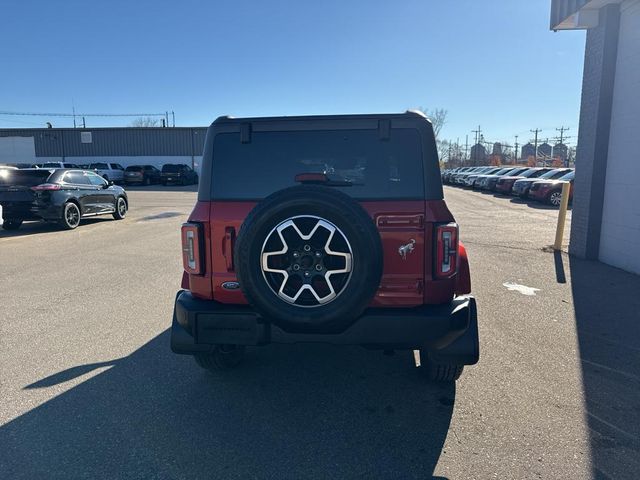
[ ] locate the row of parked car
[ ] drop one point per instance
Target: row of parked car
(542, 184)
(171, 173)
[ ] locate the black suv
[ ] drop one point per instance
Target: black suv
(178, 173)
(143, 174)
(58, 195)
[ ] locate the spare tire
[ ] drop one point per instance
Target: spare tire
(309, 259)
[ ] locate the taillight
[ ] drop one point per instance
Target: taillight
(45, 186)
(447, 250)
(192, 248)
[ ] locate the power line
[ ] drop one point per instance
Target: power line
(71, 115)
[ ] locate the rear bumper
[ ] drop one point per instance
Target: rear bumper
(450, 331)
(30, 211)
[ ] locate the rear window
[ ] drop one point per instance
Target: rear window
(375, 168)
(170, 168)
(99, 166)
(134, 169)
(555, 174)
(23, 178)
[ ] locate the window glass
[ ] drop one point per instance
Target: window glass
(99, 166)
(117, 166)
(170, 168)
(77, 178)
(96, 179)
(374, 168)
(51, 165)
(134, 168)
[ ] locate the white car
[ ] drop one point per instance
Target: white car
(59, 165)
(109, 171)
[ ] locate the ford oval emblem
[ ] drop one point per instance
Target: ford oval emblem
(231, 285)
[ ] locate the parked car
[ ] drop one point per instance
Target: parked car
(521, 187)
(550, 191)
(477, 183)
(469, 180)
(58, 195)
(59, 165)
(488, 182)
(178, 173)
(144, 174)
(109, 171)
(278, 250)
(505, 183)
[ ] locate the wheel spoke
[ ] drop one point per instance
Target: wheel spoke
(298, 247)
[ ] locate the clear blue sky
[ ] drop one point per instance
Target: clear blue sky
(487, 62)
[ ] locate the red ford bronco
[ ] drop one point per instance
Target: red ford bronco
(324, 229)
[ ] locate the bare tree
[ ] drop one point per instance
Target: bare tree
(145, 122)
(438, 117)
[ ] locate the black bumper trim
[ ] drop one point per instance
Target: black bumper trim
(450, 330)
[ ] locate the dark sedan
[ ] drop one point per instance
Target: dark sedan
(58, 195)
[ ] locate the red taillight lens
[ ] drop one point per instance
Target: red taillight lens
(192, 248)
(45, 186)
(447, 250)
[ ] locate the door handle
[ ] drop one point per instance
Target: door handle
(227, 247)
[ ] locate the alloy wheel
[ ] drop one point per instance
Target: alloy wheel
(306, 261)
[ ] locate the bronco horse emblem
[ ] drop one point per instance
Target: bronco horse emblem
(407, 248)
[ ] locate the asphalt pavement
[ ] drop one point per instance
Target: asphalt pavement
(90, 389)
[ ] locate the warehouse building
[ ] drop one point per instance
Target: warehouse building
(126, 146)
(606, 209)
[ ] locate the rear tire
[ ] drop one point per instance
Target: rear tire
(12, 224)
(440, 372)
(70, 216)
(221, 358)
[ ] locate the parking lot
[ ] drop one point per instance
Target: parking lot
(90, 388)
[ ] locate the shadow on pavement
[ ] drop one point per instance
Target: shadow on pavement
(37, 226)
(302, 411)
(607, 310)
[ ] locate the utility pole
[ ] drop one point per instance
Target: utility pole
(173, 117)
(562, 130)
(515, 156)
(73, 109)
(562, 137)
(84, 125)
(466, 146)
(478, 133)
(536, 132)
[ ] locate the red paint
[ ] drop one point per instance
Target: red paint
(404, 283)
(463, 278)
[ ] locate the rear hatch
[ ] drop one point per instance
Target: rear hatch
(385, 175)
(171, 172)
(15, 185)
(133, 173)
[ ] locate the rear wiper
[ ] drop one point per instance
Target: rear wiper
(318, 178)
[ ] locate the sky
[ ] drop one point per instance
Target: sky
(492, 63)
